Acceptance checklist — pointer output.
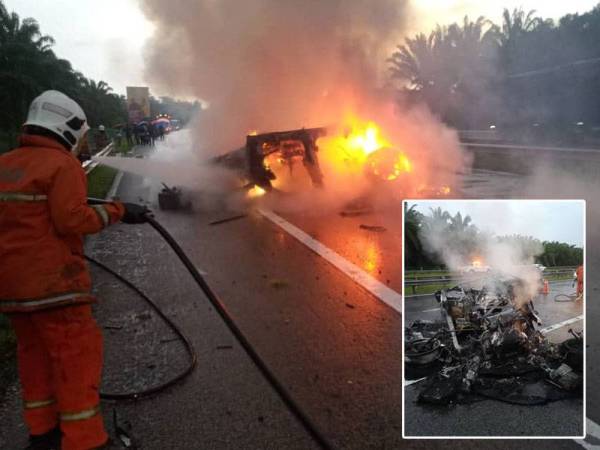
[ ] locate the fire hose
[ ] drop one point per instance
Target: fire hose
(212, 297)
(566, 297)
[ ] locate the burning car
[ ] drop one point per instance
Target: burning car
(288, 147)
(356, 150)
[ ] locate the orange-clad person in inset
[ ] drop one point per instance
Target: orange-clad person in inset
(579, 278)
(44, 281)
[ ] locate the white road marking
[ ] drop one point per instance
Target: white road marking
(593, 430)
(564, 323)
(417, 296)
(431, 310)
(391, 297)
(408, 383)
(115, 186)
(359, 276)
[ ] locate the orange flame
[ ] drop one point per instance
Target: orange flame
(256, 191)
(362, 147)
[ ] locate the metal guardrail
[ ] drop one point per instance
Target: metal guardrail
(414, 274)
(454, 278)
(410, 272)
(90, 164)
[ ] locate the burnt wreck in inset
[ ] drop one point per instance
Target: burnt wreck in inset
(488, 345)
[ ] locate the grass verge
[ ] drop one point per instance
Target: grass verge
(100, 180)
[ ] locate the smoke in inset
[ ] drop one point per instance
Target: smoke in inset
(505, 257)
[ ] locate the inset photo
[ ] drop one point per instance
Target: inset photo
(494, 319)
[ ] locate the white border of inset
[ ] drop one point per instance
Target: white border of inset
(578, 439)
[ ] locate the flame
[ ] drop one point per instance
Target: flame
(256, 191)
(476, 263)
(363, 147)
(252, 132)
(359, 141)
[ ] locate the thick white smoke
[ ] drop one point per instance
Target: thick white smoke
(508, 257)
(270, 64)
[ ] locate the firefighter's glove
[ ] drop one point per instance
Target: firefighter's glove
(134, 213)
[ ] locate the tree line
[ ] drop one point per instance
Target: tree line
(29, 66)
(462, 237)
(529, 74)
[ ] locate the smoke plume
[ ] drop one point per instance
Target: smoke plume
(507, 257)
(270, 64)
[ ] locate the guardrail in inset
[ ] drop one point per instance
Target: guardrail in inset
(414, 282)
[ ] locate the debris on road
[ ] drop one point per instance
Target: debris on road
(356, 213)
(123, 432)
(172, 199)
(228, 219)
(487, 345)
(278, 284)
(224, 347)
(375, 228)
(350, 305)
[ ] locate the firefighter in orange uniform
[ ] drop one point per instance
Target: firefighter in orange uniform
(44, 281)
(579, 279)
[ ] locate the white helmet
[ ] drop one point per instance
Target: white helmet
(56, 112)
(101, 128)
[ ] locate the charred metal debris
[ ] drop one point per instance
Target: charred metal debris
(290, 146)
(487, 345)
(172, 198)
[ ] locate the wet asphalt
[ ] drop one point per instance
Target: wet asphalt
(335, 347)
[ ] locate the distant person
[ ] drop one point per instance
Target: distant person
(119, 137)
(579, 280)
(128, 135)
(101, 138)
(45, 285)
(153, 134)
(136, 134)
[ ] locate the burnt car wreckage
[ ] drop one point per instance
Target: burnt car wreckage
(290, 146)
(249, 162)
(488, 345)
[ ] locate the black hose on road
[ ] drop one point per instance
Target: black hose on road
(283, 393)
(285, 396)
(564, 298)
(188, 345)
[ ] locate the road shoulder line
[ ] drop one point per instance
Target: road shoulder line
(359, 276)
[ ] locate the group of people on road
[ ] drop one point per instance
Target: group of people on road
(143, 133)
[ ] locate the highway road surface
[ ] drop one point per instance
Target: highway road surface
(316, 295)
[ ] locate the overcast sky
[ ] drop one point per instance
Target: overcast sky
(555, 220)
(105, 39)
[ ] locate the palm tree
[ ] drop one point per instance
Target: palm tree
(24, 51)
(460, 224)
(442, 68)
(515, 25)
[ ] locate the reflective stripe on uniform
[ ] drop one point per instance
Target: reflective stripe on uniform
(102, 213)
(79, 415)
(42, 301)
(22, 197)
(38, 403)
